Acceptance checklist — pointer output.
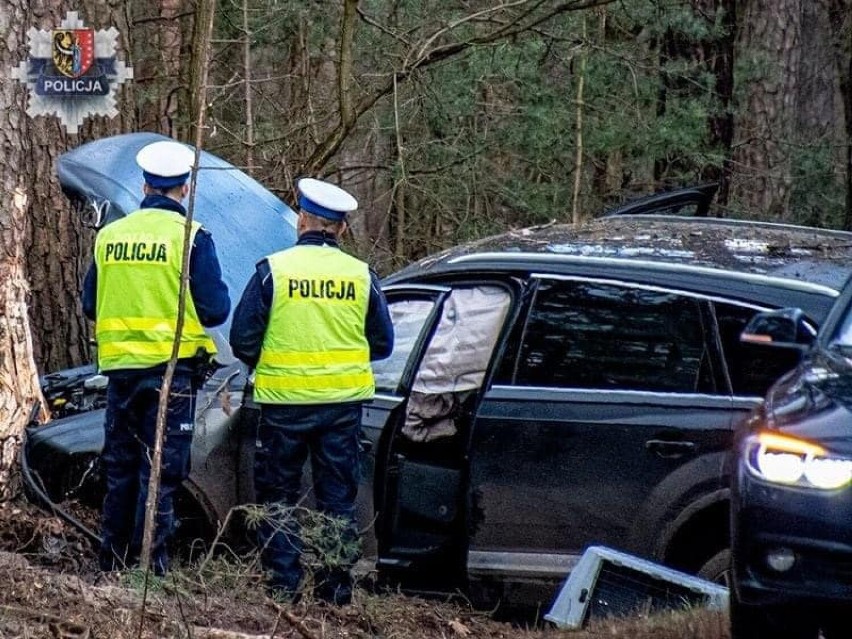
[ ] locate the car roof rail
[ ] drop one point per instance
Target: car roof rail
(699, 195)
(762, 224)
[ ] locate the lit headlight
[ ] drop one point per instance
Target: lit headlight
(786, 460)
(828, 473)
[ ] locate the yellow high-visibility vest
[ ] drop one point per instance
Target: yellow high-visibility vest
(138, 260)
(315, 350)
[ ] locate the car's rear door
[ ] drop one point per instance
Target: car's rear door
(613, 401)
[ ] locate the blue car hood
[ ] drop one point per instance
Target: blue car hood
(247, 221)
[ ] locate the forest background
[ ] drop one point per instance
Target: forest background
(449, 120)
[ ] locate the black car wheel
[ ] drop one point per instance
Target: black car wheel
(771, 622)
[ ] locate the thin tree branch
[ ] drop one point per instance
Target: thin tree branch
(578, 164)
(375, 23)
(468, 18)
(200, 68)
(399, 185)
(326, 148)
(297, 624)
(248, 97)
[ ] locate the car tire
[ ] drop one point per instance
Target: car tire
(771, 622)
(718, 568)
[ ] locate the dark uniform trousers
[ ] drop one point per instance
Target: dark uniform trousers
(287, 435)
(131, 418)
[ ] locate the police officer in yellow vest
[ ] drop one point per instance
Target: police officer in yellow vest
(310, 321)
(131, 291)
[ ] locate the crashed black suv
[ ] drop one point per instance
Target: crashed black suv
(549, 389)
(557, 388)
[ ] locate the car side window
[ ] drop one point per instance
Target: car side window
(753, 368)
(409, 317)
(606, 336)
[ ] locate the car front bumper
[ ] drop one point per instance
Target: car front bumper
(813, 528)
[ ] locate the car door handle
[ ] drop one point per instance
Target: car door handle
(365, 444)
(668, 449)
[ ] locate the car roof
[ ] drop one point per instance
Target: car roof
(756, 263)
(793, 256)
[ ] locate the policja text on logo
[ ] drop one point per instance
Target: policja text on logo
(67, 86)
(322, 289)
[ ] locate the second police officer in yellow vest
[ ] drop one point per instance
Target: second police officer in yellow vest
(310, 321)
(131, 291)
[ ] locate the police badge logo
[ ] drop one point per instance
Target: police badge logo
(73, 51)
(72, 72)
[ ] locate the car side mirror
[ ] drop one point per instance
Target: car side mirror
(786, 328)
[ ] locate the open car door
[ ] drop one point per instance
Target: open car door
(421, 478)
(414, 310)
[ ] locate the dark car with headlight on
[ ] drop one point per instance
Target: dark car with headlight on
(792, 493)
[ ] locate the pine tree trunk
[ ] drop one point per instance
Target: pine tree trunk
(57, 249)
(45, 247)
(160, 37)
(770, 45)
(718, 55)
(841, 23)
(19, 389)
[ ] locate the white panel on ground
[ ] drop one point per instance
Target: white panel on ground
(609, 583)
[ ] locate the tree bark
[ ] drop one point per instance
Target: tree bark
(19, 388)
(158, 37)
(818, 115)
(718, 55)
(247, 65)
(57, 247)
(771, 43)
(841, 23)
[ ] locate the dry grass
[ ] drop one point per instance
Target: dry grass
(46, 594)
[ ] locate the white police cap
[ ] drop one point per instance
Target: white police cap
(165, 164)
(325, 199)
